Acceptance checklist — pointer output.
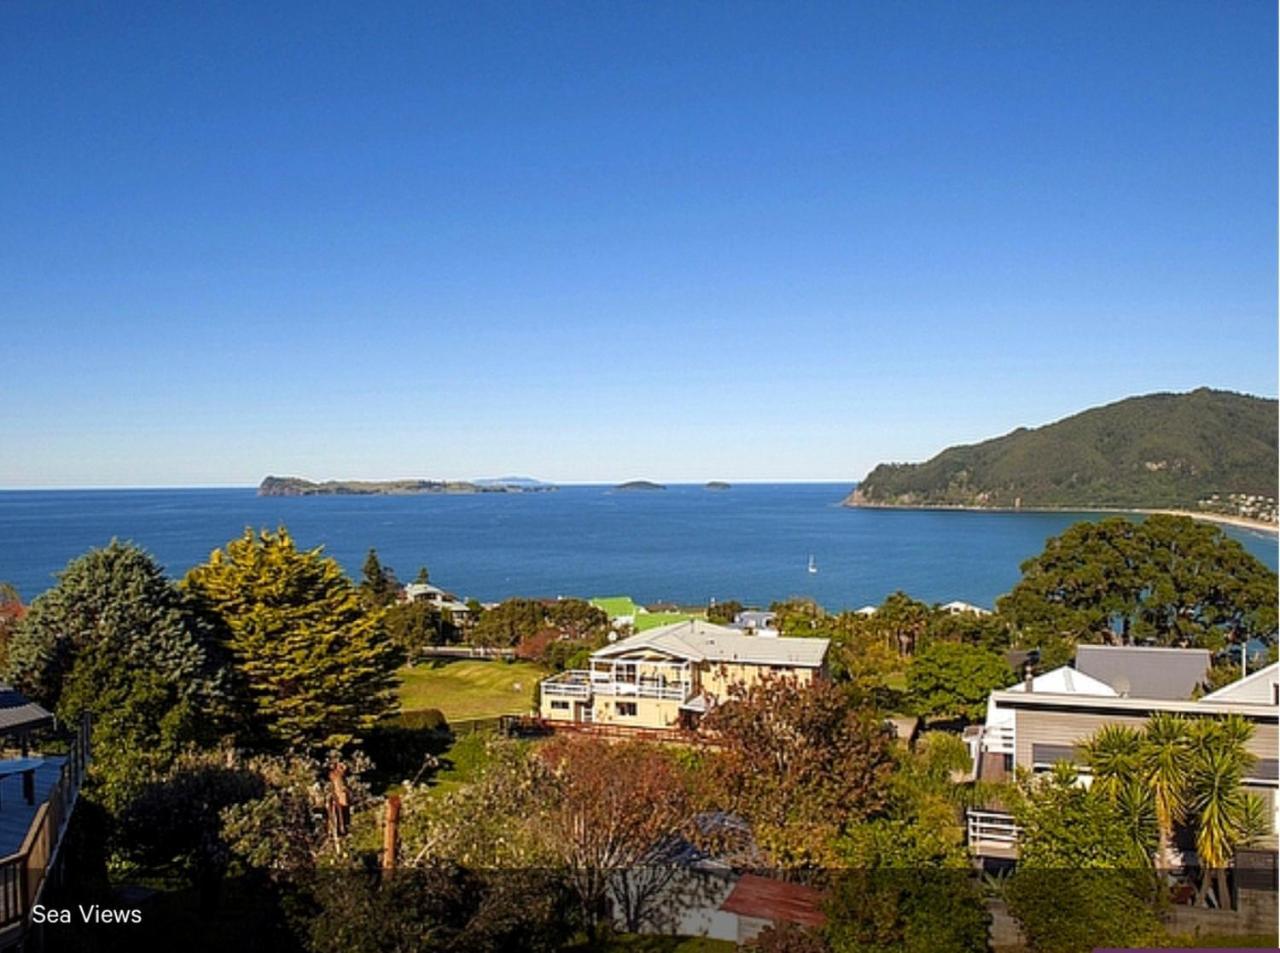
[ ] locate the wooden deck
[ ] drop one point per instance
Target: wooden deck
(16, 814)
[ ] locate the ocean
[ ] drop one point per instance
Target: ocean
(684, 544)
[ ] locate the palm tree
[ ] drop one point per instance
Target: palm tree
(1222, 812)
(1163, 767)
(1113, 757)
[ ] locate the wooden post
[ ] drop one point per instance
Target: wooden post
(391, 833)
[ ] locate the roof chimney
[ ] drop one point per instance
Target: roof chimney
(1028, 676)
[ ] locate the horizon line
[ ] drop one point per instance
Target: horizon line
(751, 481)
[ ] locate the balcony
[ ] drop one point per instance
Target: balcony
(574, 683)
(582, 685)
(992, 833)
(32, 831)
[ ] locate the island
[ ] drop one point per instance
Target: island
(639, 485)
(297, 486)
(716, 485)
(1207, 452)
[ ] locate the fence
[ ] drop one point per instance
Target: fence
(22, 875)
(463, 651)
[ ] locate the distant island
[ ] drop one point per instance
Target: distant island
(1207, 451)
(639, 485)
(717, 485)
(297, 486)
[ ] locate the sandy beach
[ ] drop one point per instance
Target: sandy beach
(1238, 521)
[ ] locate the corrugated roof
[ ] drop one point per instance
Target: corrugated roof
(701, 641)
(1141, 672)
(775, 900)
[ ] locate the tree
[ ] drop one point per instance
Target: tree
(577, 619)
(515, 620)
(115, 638)
(508, 622)
(1179, 770)
(1081, 880)
(1168, 578)
(799, 762)
(906, 909)
(724, 612)
(613, 815)
(1222, 812)
(312, 666)
(378, 586)
(416, 625)
(952, 681)
(11, 612)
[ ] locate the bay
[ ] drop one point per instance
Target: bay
(684, 544)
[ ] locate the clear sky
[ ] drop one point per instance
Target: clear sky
(608, 240)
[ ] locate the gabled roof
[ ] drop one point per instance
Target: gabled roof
(1255, 689)
(1144, 672)
(1066, 681)
(699, 641)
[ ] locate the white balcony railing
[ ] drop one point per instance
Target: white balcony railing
(581, 684)
(571, 684)
(671, 691)
(991, 829)
(998, 739)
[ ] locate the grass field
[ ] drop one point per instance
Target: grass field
(470, 689)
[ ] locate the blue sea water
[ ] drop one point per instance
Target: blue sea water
(683, 544)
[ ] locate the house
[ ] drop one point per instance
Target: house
(963, 608)
(667, 678)
(991, 744)
(1036, 724)
(756, 622)
(446, 603)
(1146, 672)
(38, 795)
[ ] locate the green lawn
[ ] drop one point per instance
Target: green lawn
(470, 689)
(614, 606)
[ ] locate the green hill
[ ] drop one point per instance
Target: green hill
(1160, 450)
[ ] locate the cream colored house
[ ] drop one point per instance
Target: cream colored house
(668, 677)
(1035, 724)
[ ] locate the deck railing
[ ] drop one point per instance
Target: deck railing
(580, 684)
(23, 874)
(998, 739)
(988, 829)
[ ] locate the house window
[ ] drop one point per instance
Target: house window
(627, 709)
(560, 706)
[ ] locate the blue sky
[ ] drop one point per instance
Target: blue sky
(596, 241)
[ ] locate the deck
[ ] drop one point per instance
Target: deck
(16, 814)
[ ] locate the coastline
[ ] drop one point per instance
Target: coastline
(1240, 522)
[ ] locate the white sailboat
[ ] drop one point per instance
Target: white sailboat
(813, 566)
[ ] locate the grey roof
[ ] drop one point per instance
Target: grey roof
(19, 713)
(700, 641)
(1140, 672)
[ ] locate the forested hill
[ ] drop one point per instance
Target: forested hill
(1160, 450)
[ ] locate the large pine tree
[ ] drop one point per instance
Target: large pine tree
(117, 639)
(312, 666)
